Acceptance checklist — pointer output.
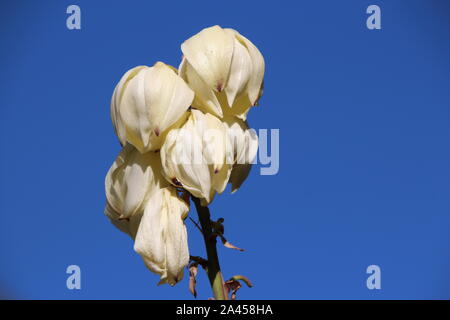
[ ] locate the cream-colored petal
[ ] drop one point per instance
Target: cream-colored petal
(121, 224)
(119, 126)
(243, 140)
(221, 178)
(132, 178)
(161, 239)
(167, 96)
(240, 72)
(249, 149)
(205, 98)
(155, 142)
(149, 242)
(135, 113)
(210, 52)
(113, 192)
(256, 79)
(183, 163)
(129, 225)
(152, 101)
(244, 146)
(213, 134)
(136, 177)
(175, 237)
(235, 132)
(241, 107)
(196, 156)
(239, 173)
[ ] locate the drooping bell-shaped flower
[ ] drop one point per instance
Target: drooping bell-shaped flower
(196, 156)
(146, 103)
(161, 239)
(244, 146)
(130, 181)
(224, 69)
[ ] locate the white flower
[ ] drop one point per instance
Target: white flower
(161, 239)
(196, 158)
(131, 180)
(224, 69)
(141, 203)
(181, 129)
(146, 103)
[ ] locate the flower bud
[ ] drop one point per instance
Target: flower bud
(244, 146)
(130, 181)
(224, 69)
(146, 103)
(161, 239)
(196, 158)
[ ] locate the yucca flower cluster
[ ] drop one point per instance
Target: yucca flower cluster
(183, 134)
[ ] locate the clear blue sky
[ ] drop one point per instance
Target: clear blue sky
(364, 148)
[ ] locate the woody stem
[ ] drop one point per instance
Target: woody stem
(213, 270)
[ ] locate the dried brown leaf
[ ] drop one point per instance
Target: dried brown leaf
(193, 269)
(243, 278)
(233, 286)
(229, 244)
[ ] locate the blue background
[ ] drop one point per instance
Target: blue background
(364, 148)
